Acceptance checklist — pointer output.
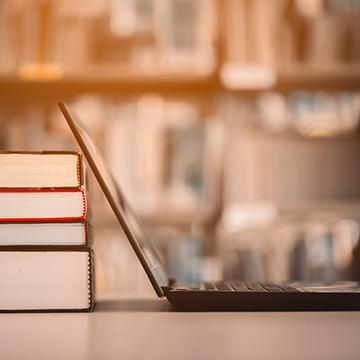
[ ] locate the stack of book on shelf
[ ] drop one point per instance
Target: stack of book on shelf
(45, 263)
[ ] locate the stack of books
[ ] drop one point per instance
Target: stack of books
(45, 263)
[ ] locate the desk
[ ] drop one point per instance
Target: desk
(150, 330)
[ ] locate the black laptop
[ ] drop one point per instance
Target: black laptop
(227, 295)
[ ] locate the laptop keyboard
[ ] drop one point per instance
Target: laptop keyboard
(241, 286)
(248, 286)
(245, 286)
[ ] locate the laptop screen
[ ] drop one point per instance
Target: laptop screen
(128, 220)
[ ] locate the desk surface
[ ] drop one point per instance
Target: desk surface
(149, 330)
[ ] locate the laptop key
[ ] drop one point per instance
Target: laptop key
(288, 288)
(223, 286)
(273, 288)
(256, 287)
(239, 285)
(209, 286)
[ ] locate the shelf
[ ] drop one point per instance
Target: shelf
(337, 77)
(237, 79)
(13, 89)
(240, 78)
(291, 134)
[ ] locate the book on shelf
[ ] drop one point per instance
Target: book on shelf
(42, 204)
(326, 41)
(46, 278)
(280, 32)
(41, 170)
(44, 233)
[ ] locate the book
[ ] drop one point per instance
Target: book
(42, 204)
(327, 40)
(40, 170)
(44, 233)
(46, 278)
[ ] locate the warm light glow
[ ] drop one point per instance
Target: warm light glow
(247, 76)
(41, 72)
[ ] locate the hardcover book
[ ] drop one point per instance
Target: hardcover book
(44, 233)
(42, 204)
(46, 279)
(41, 170)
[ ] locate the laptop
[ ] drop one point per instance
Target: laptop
(226, 295)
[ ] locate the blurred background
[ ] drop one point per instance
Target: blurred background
(231, 125)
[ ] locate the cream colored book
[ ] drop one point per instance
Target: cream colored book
(40, 170)
(44, 233)
(46, 278)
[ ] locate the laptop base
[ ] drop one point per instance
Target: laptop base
(325, 298)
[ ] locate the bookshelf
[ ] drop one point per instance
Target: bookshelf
(222, 55)
(245, 57)
(244, 64)
(291, 78)
(118, 84)
(13, 89)
(328, 78)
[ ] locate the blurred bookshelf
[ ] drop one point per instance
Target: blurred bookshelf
(110, 83)
(204, 109)
(232, 50)
(114, 82)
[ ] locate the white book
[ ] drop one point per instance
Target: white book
(34, 205)
(43, 233)
(40, 170)
(45, 279)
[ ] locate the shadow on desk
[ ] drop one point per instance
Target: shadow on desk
(133, 305)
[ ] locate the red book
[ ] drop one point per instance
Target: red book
(42, 204)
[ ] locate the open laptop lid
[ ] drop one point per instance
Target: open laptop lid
(129, 222)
